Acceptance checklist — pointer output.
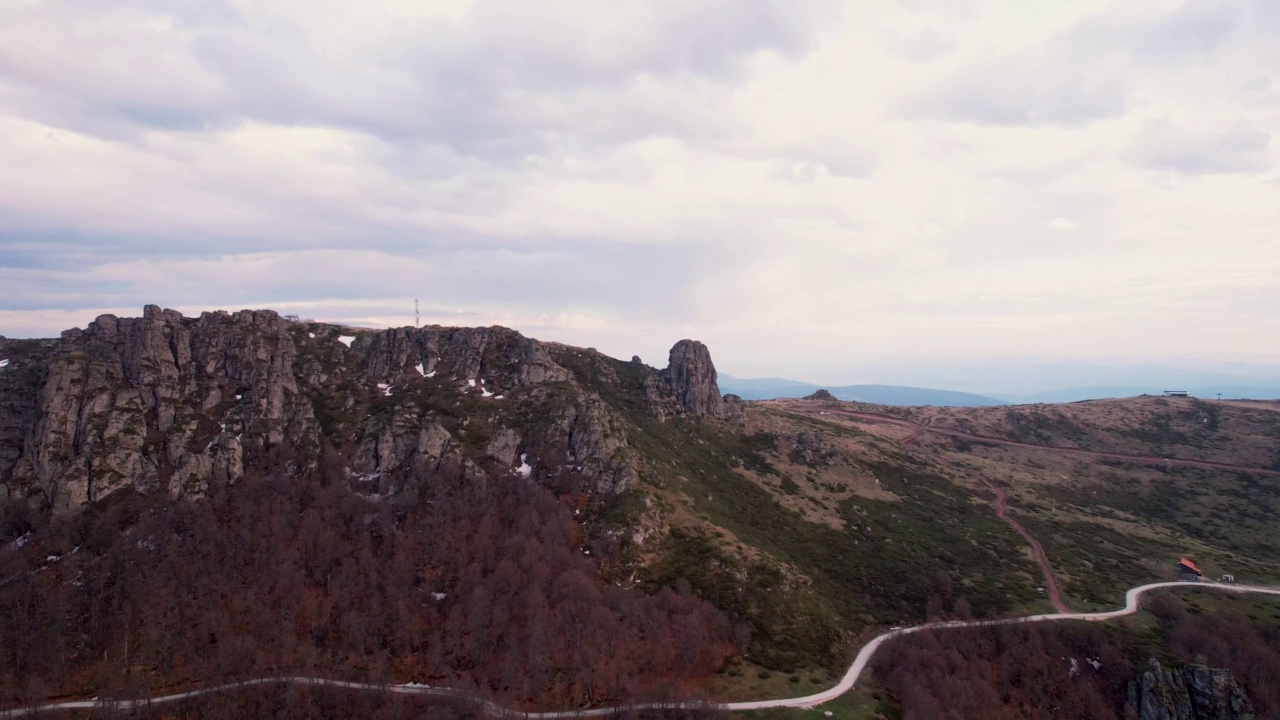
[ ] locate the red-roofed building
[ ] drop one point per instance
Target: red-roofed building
(1189, 571)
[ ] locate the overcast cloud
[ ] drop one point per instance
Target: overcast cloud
(783, 180)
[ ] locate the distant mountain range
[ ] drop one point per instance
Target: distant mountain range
(1208, 392)
(770, 388)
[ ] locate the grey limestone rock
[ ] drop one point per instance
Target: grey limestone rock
(692, 378)
(1195, 692)
(174, 404)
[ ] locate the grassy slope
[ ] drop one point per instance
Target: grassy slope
(806, 587)
(1108, 525)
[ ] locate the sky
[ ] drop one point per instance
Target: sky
(809, 187)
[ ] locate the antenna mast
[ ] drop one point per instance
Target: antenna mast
(417, 319)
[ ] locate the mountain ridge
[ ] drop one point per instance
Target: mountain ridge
(166, 402)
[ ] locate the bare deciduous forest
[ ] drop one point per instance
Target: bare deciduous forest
(483, 585)
(1250, 650)
(1026, 671)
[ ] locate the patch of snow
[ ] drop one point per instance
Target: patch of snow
(1097, 665)
(52, 559)
(347, 340)
(311, 335)
(498, 397)
(4, 363)
(471, 383)
(430, 374)
(482, 382)
(525, 470)
(23, 540)
(485, 393)
(586, 552)
(421, 370)
(415, 685)
(439, 596)
(385, 388)
(239, 396)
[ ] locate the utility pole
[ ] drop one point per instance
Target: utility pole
(1219, 397)
(417, 319)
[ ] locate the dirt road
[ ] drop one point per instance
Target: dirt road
(1050, 580)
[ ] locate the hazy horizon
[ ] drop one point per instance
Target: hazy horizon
(995, 376)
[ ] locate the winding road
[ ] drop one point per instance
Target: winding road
(846, 683)
(918, 428)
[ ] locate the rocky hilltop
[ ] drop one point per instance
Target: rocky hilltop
(1194, 692)
(169, 404)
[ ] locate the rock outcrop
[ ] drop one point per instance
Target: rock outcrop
(166, 403)
(692, 378)
(814, 449)
(158, 402)
(1194, 692)
(822, 394)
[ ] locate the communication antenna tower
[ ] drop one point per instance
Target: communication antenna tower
(417, 319)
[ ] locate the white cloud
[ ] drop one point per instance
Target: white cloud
(1203, 149)
(787, 182)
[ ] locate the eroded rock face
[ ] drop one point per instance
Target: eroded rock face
(692, 378)
(159, 403)
(165, 403)
(1195, 692)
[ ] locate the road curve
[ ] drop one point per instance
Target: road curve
(918, 428)
(845, 685)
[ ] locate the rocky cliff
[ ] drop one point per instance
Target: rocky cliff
(691, 375)
(166, 403)
(1195, 692)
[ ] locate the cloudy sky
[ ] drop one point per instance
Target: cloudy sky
(803, 185)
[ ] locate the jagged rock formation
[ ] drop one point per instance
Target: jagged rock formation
(165, 403)
(692, 377)
(822, 394)
(1195, 692)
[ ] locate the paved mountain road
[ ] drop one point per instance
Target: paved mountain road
(845, 685)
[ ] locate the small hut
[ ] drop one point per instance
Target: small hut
(1188, 571)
